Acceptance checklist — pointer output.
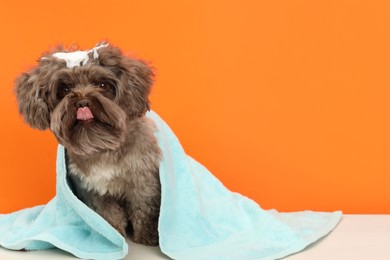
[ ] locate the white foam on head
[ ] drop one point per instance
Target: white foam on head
(78, 58)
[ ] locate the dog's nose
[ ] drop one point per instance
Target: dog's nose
(83, 103)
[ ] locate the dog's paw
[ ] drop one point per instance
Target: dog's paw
(146, 239)
(147, 234)
(120, 229)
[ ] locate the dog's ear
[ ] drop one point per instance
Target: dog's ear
(32, 99)
(135, 75)
(139, 77)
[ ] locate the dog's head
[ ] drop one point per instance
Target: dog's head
(86, 98)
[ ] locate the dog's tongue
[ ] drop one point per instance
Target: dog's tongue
(84, 113)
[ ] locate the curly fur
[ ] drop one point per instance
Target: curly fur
(112, 159)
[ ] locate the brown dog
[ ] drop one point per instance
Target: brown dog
(95, 103)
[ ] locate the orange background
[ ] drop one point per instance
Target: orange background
(286, 102)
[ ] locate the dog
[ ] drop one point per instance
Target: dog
(95, 103)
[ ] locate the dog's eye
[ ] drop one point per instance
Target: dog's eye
(62, 90)
(105, 85)
(108, 87)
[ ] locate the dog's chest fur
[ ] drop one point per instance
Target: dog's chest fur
(118, 173)
(100, 177)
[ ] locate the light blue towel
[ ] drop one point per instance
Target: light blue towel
(199, 218)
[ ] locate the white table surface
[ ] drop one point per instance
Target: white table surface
(357, 237)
